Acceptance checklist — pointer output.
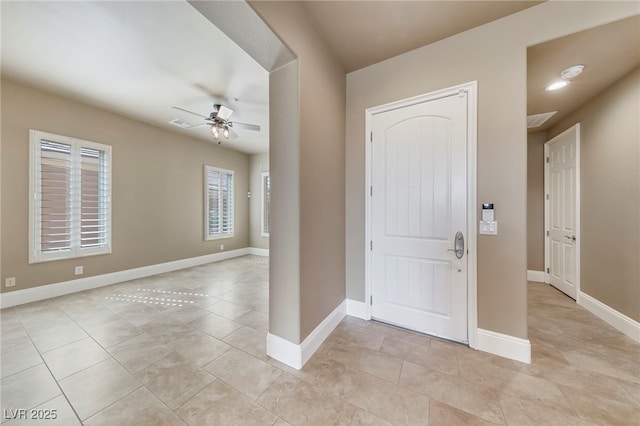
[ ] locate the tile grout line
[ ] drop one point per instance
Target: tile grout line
(49, 369)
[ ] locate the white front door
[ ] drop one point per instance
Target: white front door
(561, 206)
(419, 203)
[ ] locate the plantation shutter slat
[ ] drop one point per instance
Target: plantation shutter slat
(93, 198)
(71, 211)
(55, 197)
(219, 202)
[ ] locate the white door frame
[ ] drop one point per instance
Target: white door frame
(546, 207)
(471, 88)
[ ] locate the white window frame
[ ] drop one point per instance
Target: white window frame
(35, 253)
(264, 228)
(216, 236)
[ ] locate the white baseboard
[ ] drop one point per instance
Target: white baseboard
(258, 251)
(357, 309)
(296, 356)
(535, 276)
(617, 320)
(19, 297)
(504, 345)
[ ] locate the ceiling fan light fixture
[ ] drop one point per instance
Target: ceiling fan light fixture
(556, 85)
(225, 132)
(214, 131)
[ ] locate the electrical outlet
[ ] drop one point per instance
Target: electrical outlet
(10, 282)
(221, 247)
(79, 270)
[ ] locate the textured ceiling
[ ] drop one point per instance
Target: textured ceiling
(362, 33)
(608, 53)
(138, 59)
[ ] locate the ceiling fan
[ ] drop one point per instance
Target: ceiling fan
(218, 119)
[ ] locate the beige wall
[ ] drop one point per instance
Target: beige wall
(494, 55)
(258, 163)
(321, 83)
(157, 194)
(284, 170)
(535, 200)
(610, 194)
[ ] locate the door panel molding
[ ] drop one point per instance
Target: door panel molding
(470, 89)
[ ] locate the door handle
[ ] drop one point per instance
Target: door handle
(573, 237)
(458, 245)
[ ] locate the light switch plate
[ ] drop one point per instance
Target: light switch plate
(489, 227)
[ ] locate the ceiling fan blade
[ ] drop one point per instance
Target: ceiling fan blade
(252, 127)
(191, 112)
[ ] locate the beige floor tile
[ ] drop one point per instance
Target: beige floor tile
(441, 414)
(237, 298)
(12, 333)
(186, 314)
(365, 418)
(216, 325)
(74, 357)
(300, 403)
(58, 336)
(381, 398)
(624, 369)
(16, 358)
(114, 332)
(373, 362)
(354, 335)
(399, 333)
(139, 314)
(55, 412)
(174, 379)
(199, 347)
(139, 407)
(94, 317)
(320, 371)
(165, 329)
(520, 385)
(249, 340)
(220, 404)
(43, 320)
(597, 410)
(256, 320)
(28, 388)
(467, 396)
(228, 309)
(426, 356)
(139, 352)
(597, 384)
(518, 412)
(244, 372)
(633, 389)
(97, 387)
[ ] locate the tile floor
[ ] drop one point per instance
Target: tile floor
(188, 347)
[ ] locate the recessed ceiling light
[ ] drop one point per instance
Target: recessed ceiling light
(572, 72)
(556, 85)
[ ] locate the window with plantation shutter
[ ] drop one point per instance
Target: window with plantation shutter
(70, 206)
(218, 222)
(266, 198)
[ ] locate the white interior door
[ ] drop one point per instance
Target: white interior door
(419, 203)
(561, 206)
